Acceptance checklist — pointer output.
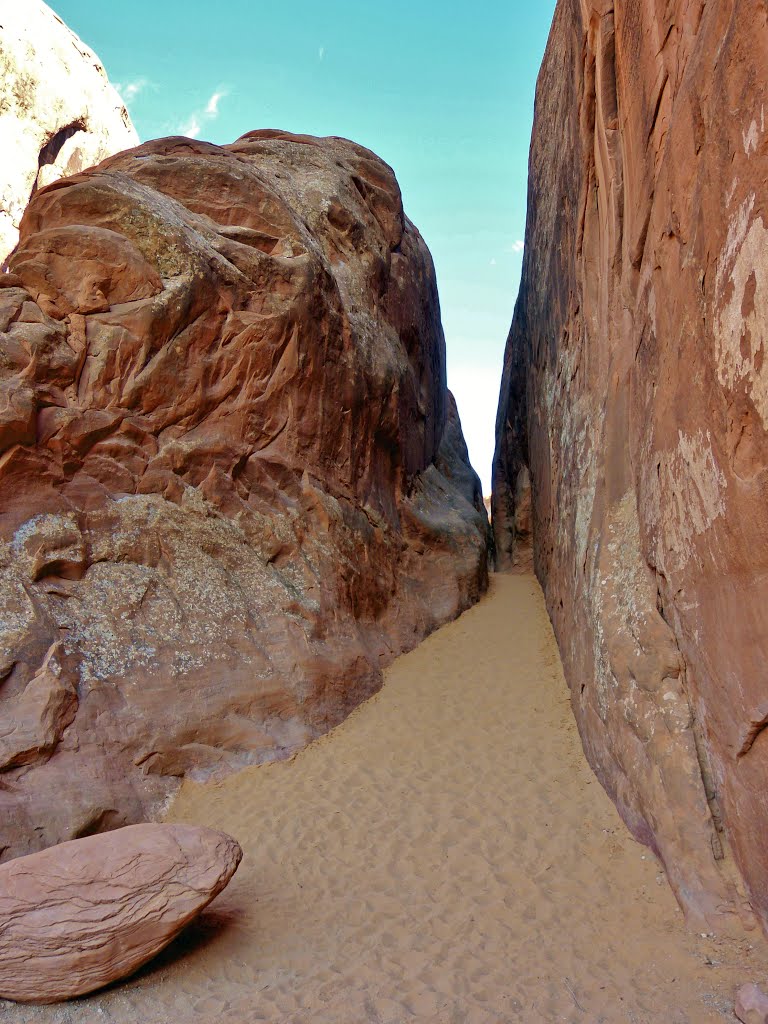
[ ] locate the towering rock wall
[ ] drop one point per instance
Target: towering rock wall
(233, 485)
(635, 393)
(58, 112)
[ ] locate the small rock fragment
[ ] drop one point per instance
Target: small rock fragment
(751, 1005)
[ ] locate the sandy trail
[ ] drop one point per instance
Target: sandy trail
(445, 855)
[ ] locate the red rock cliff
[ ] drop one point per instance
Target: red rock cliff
(233, 484)
(635, 393)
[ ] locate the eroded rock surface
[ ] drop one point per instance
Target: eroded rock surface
(751, 1006)
(81, 915)
(233, 485)
(58, 112)
(635, 393)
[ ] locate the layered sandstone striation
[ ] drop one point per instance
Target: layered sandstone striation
(58, 112)
(233, 485)
(132, 890)
(635, 395)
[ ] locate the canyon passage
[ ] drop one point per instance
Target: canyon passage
(444, 855)
(245, 557)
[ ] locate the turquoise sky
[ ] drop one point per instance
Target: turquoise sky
(443, 91)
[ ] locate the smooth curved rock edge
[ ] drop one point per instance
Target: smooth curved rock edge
(58, 112)
(233, 484)
(635, 392)
(81, 915)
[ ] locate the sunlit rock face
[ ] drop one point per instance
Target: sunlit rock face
(233, 485)
(635, 393)
(58, 112)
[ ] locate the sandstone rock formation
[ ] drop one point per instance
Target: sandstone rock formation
(233, 485)
(79, 916)
(58, 112)
(751, 1006)
(635, 393)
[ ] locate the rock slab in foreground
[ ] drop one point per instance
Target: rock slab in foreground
(58, 112)
(79, 916)
(635, 392)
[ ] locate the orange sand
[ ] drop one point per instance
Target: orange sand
(445, 855)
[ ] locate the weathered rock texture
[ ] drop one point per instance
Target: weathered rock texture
(635, 392)
(233, 484)
(751, 1006)
(58, 112)
(78, 916)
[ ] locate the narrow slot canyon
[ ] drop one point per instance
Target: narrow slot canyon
(362, 752)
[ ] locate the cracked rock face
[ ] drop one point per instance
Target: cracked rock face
(635, 393)
(81, 915)
(58, 112)
(233, 485)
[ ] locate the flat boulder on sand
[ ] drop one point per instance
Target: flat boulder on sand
(78, 916)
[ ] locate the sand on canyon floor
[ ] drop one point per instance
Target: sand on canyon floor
(445, 855)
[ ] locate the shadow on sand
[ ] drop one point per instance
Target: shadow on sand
(200, 935)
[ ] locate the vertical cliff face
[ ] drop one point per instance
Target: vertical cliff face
(635, 393)
(58, 112)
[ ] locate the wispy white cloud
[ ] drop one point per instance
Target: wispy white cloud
(130, 90)
(204, 115)
(321, 53)
(212, 108)
(513, 248)
(192, 127)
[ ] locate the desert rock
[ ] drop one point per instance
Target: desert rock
(751, 1005)
(634, 394)
(58, 112)
(233, 484)
(78, 916)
